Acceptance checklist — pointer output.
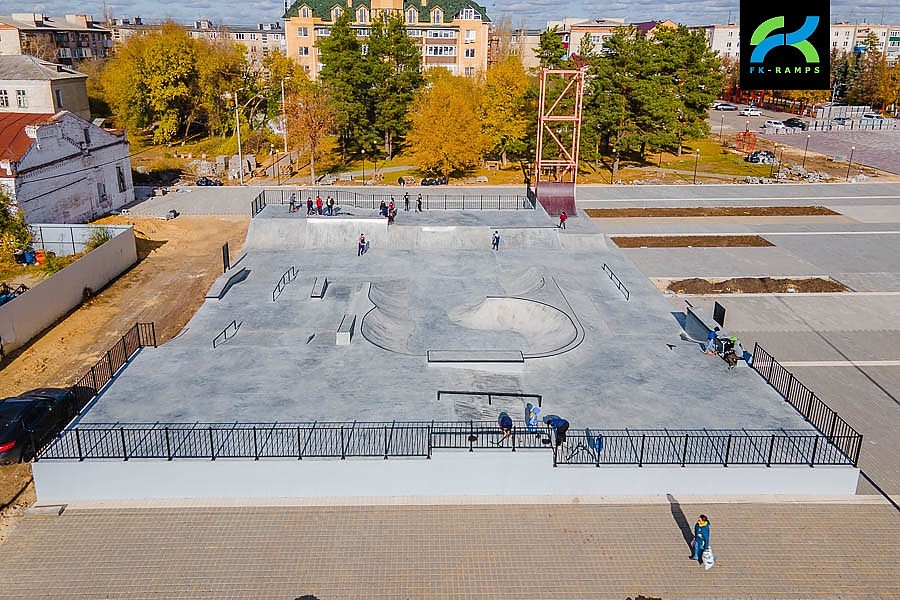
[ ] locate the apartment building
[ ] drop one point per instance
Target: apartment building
(522, 42)
(452, 34)
(725, 40)
(57, 39)
(573, 30)
(29, 85)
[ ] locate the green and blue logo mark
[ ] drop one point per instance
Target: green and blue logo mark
(784, 47)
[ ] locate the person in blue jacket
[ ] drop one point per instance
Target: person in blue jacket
(559, 426)
(711, 341)
(701, 537)
(506, 425)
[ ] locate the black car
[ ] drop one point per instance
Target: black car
(764, 157)
(207, 182)
(795, 122)
(29, 421)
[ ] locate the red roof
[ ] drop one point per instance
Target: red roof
(13, 141)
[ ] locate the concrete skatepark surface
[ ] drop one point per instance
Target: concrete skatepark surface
(431, 282)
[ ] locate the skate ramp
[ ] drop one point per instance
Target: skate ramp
(276, 234)
(522, 283)
(340, 232)
(387, 324)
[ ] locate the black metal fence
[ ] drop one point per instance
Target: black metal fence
(258, 204)
(286, 278)
(618, 282)
(700, 447)
(139, 336)
(213, 441)
(836, 430)
(345, 198)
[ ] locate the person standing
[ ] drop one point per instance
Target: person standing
(559, 427)
(391, 207)
(392, 212)
(495, 241)
(383, 209)
(419, 203)
(701, 537)
(309, 207)
(361, 248)
(330, 206)
(318, 204)
(563, 217)
(406, 201)
(711, 338)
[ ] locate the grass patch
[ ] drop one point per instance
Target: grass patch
(712, 211)
(691, 241)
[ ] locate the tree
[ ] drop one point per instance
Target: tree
(310, 118)
(40, 46)
(14, 231)
(550, 51)
(870, 84)
(343, 75)
(585, 47)
(503, 102)
(446, 133)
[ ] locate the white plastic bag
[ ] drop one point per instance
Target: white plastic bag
(708, 559)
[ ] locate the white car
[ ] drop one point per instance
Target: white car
(750, 112)
(773, 124)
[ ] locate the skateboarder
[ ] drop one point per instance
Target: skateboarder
(361, 248)
(711, 338)
(406, 201)
(495, 241)
(563, 217)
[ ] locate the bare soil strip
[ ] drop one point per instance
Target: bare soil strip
(755, 285)
(691, 241)
(711, 211)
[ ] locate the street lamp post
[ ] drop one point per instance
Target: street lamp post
(747, 126)
(364, 166)
(772, 164)
(284, 116)
(850, 164)
(721, 127)
(696, 161)
(804, 151)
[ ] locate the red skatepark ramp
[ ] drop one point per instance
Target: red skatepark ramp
(556, 197)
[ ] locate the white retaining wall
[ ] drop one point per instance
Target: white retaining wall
(38, 308)
(448, 473)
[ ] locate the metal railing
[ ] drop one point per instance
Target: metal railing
(615, 279)
(258, 204)
(139, 336)
(699, 447)
(213, 441)
(836, 430)
(223, 335)
(345, 198)
(491, 395)
(286, 278)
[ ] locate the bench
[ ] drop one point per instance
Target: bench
(345, 330)
(319, 287)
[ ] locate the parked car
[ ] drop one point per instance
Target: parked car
(872, 117)
(726, 106)
(772, 124)
(29, 421)
(434, 181)
(750, 112)
(841, 121)
(795, 122)
(762, 157)
(208, 182)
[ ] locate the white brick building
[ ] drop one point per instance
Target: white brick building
(62, 169)
(32, 85)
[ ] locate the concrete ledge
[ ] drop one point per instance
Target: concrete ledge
(345, 330)
(447, 474)
(475, 356)
(319, 287)
(224, 282)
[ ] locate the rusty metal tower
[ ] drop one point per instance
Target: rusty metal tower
(558, 139)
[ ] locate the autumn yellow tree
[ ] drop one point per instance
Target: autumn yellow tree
(446, 135)
(502, 109)
(310, 119)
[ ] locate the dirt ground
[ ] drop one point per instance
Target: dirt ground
(755, 285)
(177, 262)
(711, 211)
(690, 241)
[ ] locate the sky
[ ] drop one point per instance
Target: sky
(530, 13)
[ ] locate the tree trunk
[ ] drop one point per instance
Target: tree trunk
(503, 158)
(312, 164)
(643, 148)
(679, 149)
(387, 144)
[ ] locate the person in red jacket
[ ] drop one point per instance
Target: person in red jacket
(563, 217)
(318, 204)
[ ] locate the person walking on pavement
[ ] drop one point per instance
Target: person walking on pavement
(701, 537)
(419, 203)
(406, 201)
(383, 209)
(309, 207)
(392, 213)
(495, 241)
(563, 217)
(361, 248)
(711, 338)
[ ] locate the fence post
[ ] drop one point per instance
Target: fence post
(790, 387)
(94, 380)
(343, 455)
(124, 448)
(385, 442)
(641, 457)
(78, 444)
(859, 439)
(255, 445)
(555, 450)
(727, 450)
(771, 447)
(299, 445)
(684, 449)
(168, 446)
(812, 457)
(429, 441)
(471, 426)
(212, 445)
(833, 423)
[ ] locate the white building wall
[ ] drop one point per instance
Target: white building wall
(64, 179)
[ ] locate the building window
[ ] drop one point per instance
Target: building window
(120, 177)
(304, 50)
(239, 36)
(303, 32)
(470, 71)
(412, 16)
(441, 33)
(436, 16)
(364, 49)
(59, 102)
(363, 15)
(4, 99)
(101, 191)
(336, 13)
(304, 12)
(730, 33)
(469, 14)
(470, 36)
(470, 52)
(21, 100)
(87, 135)
(440, 50)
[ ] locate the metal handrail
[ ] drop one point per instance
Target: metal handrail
(618, 282)
(286, 278)
(223, 335)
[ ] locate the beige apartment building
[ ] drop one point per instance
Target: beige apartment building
(57, 39)
(29, 85)
(452, 34)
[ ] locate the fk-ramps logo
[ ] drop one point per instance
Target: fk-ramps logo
(785, 46)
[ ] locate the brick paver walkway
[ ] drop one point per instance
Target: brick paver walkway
(451, 551)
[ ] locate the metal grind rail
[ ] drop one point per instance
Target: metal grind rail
(213, 441)
(224, 334)
(618, 282)
(286, 278)
(836, 430)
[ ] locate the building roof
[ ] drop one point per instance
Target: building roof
(43, 23)
(14, 142)
(322, 8)
(24, 67)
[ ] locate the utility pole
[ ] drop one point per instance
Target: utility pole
(237, 123)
